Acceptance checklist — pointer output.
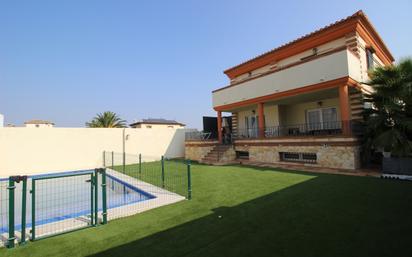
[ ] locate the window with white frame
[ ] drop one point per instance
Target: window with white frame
(322, 118)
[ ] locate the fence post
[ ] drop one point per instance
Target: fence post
(124, 162)
(112, 160)
(189, 181)
(11, 187)
(104, 158)
(163, 172)
(96, 196)
(33, 207)
(23, 210)
(91, 199)
(104, 196)
(140, 164)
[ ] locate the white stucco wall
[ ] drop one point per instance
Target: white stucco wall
(33, 151)
(323, 69)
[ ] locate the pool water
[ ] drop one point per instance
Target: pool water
(63, 198)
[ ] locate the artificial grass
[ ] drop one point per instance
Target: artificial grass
(243, 211)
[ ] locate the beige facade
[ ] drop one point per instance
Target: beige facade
(302, 102)
(327, 68)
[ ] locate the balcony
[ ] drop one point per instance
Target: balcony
(336, 64)
(347, 128)
(304, 130)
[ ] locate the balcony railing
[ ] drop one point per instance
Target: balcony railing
(305, 129)
(350, 128)
(198, 136)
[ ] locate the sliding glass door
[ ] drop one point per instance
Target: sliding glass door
(251, 126)
(322, 118)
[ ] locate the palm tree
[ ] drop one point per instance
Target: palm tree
(106, 120)
(389, 120)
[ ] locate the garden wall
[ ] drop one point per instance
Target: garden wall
(43, 150)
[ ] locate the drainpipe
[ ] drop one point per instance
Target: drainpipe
(124, 141)
(124, 150)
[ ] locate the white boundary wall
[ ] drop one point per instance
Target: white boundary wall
(25, 151)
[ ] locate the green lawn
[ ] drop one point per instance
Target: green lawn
(241, 211)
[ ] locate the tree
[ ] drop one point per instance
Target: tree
(389, 120)
(106, 120)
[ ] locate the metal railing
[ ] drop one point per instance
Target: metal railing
(305, 129)
(198, 136)
(161, 172)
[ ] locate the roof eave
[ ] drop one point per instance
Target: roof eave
(330, 32)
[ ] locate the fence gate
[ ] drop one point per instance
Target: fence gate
(62, 203)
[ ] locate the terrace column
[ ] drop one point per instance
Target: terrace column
(344, 108)
(219, 126)
(261, 120)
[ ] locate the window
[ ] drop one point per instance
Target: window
(369, 58)
(170, 126)
(243, 155)
(298, 157)
(148, 126)
(251, 126)
(322, 118)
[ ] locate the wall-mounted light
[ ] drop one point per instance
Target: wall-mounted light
(320, 103)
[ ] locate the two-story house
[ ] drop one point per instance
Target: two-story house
(298, 102)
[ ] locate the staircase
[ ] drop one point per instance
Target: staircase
(219, 154)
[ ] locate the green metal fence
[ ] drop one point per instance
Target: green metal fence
(170, 174)
(4, 208)
(47, 205)
(41, 206)
(76, 192)
(164, 180)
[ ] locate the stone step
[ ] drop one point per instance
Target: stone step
(209, 160)
(212, 154)
(215, 154)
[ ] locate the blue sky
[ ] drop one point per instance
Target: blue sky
(65, 61)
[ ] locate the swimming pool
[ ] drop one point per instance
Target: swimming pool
(65, 201)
